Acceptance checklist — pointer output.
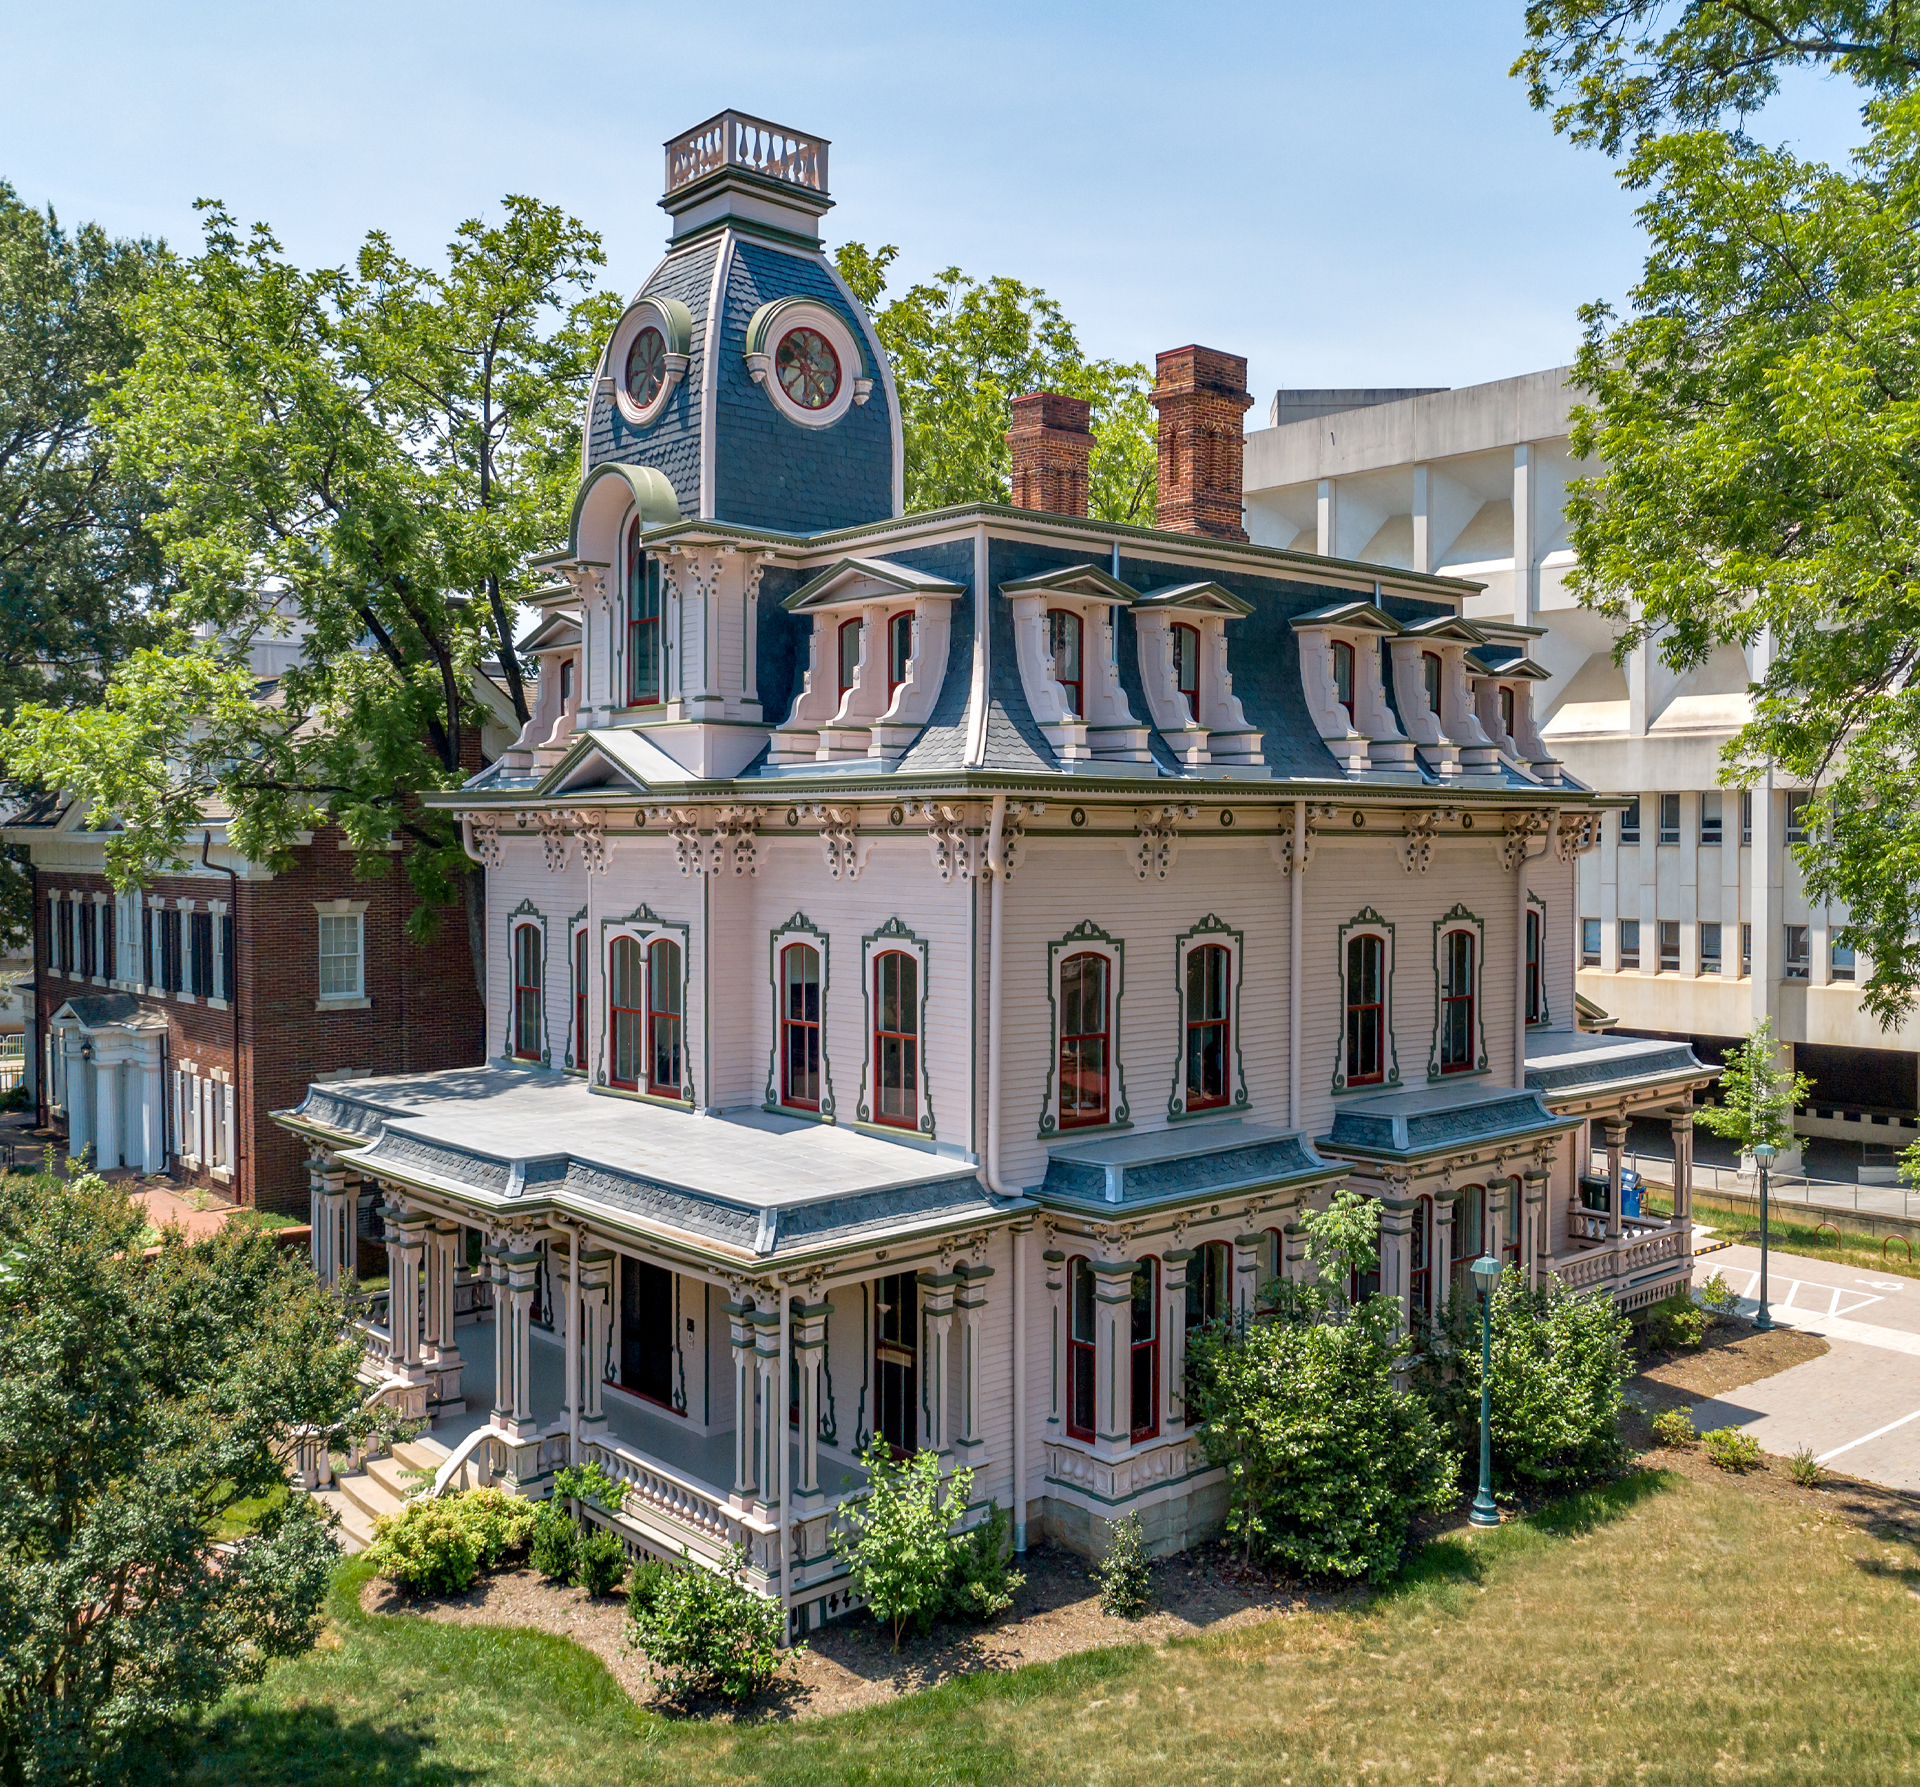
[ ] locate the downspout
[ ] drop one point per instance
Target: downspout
(996, 947)
(1297, 904)
(1018, 1236)
(233, 996)
(778, 1424)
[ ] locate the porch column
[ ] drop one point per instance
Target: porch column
(1681, 1123)
(153, 1128)
(443, 1276)
(1246, 1279)
(1112, 1354)
(1503, 1215)
(1396, 1243)
(971, 1302)
(106, 1098)
(1616, 1134)
(79, 1095)
(1173, 1334)
(936, 1309)
(406, 1244)
(522, 1270)
(810, 1352)
(495, 1259)
(1533, 1227)
(1055, 1264)
(327, 1197)
(772, 1426)
(1293, 1242)
(596, 1279)
(746, 1423)
(1440, 1267)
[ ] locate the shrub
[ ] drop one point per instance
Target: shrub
(1732, 1450)
(1673, 1428)
(705, 1632)
(1805, 1469)
(602, 1560)
(899, 1545)
(984, 1580)
(428, 1545)
(1326, 1461)
(500, 1522)
(1125, 1573)
(556, 1544)
(1717, 1296)
(1673, 1324)
(643, 1587)
(589, 1483)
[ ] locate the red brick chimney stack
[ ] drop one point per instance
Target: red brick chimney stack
(1051, 444)
(1201, 395)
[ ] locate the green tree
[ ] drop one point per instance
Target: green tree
(1758, 413)
(899, 1543)
(1756, 1099)
(962, 349)
(144, 1404)
(376, 451)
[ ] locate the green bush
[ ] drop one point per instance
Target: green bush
(1805, 1469)
(1717, 1296)
(589, 1483)
(643, 1587)
(1125, 1574)
(429, 1545)
(500, 1523)
(984, 1580)
(706, 1632)
(1732, 1450)
(898, 1544)
(1675, 1324)
(1674, 1429)
(602, 1560)
(556, 1544)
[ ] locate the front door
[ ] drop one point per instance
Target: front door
(896, 1329)
(646, 1330)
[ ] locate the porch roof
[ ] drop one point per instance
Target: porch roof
(745, 1186)
(1437, 1120)
(1582, 1065)
(1170, 1166)
(96, 1011)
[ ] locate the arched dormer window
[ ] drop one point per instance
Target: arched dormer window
(1065, 631)
(899, 650)
(646, 646)
(849, 653)
(566, 681)
(1343, 676)
(1430, 680)
(526, 992)
(1506, 709)
(1186, 666)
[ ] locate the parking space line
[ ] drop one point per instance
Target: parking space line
(1865, 1437)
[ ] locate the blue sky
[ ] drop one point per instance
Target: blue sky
(1348, 194)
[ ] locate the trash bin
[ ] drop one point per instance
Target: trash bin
(1629, 1192)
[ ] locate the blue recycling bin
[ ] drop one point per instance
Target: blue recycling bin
(1629, 1192)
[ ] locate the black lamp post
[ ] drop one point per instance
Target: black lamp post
(1486, 1273)
(1763, 1153)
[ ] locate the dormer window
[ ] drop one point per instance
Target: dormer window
(566, 681)
(849, 653)
(1506, 710)
(1430, 680)
(1186, 666)
(646, 366)
(899, 650)
(1064, 631)
(1343, 676)
(646, 680)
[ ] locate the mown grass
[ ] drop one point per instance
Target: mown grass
(1665, 1629)
(1799, 1237)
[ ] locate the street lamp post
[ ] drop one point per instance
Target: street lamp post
(1763, 1153)
(1486, 1273)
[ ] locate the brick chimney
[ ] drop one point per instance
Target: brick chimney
(1201, 395)
(1051, 444)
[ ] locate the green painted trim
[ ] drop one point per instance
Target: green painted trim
(577, 922)
(891, 936)
(1460, 919)
(647, 924)
(1211, 929)
(1366, 919)
(1545, 1019)
(651, 494)
(798, 929)
(765, 321)
(526, 910)
(1117, 1106)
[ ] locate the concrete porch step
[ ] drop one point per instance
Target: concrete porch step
(355, 1531)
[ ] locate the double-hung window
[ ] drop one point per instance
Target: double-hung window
(626, 1013)
(899, 650)
(170, 976)
(528, 992)
(1798, 957)
(1469, 1232)
(800, 1026)
(1209, 1025)
(1589, 943)
(1840, 963)
(1797, 801)
(848, 643)
(1210, 1284)
(1143, 1351)
(1629, 946)
(1669, 946)
(580, 999)
(896, 1039)
(1430, 681)
(1669, 819)
(1630, 820)
(1366, 1010)
(1456, 1002)
(664, 1017)
(1709, 947)
(1420, 1257)
(1710, 809)
(1343, 676)
(646, 640)
(1065, 631)
(1081, 1314)
(1084, 1041)
(1536, 987)
(1186, 666)
(342, 953)
(200, 953)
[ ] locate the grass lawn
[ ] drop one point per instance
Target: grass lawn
(1676, 1627)
(1796, 1236)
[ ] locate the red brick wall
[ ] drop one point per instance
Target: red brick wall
(1201, 394)
(1050, 446)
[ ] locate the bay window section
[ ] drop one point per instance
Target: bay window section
(1064, 634)
(664, 1017)
(626, 1013)
(1080, 1350)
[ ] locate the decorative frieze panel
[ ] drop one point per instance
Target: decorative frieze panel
(1121, 1479)
(1522, 829)
(1416, 848)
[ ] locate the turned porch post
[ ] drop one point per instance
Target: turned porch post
(1396, 1240)
(522, 1270)
(1174, 1265)
(970, 1300)
(1246, 1278)
(329, 1197)
(1681, 1123)
(936, 1307)
(1616, 1134)
(1440, 1267)
(1533, 1228)
(406, 1245)
(596, 1280)
(746, 1377)
(772, 1430)
(810, 1351)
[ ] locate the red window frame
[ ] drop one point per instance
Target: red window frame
(896, 1039)
(899, 650)
(1456, 1004)
(1343, 668)
(626, 1012)
(1366, 1008)
(1086, 1053)
(1474, 1198)
(646, 665)
(1082, 1411)
(1210, 1029)
(1210, 1283)
(799, 1028)
(663, 966)
(843, 670)
(1066, 640)
(1186, 666)
(1143, 1351)
(580, 998)
(1430, 681)
(527, 992)
(1420, 1257)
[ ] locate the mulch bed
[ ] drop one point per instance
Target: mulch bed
(1733, 1353)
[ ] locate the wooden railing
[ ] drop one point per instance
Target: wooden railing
(735, 140)
(1613, 1260)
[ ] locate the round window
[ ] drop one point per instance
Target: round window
(646, 366)
(808, 369)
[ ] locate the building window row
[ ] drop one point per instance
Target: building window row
(1796, 949)
(165, 947)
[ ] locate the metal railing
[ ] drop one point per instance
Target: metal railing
(1786, 1188)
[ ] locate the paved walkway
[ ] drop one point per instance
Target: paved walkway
(1858, 1407)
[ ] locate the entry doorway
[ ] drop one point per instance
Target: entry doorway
(896, 1332)
(646, 1330)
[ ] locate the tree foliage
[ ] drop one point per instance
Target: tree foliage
(962, 349)
(706, 1632)
(1756, 1098)
(1757, 415)
(899, 1543)
(375, 452)
(142, 1401)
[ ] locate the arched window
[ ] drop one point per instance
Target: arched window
(663, 1017)
(1080, 1349)
(566, 681)
(1209, 1284)
(580, 998)
(800, 1026)
(1209, 1022)
(1469, 1232)
(1366, 1010)
(849, 653)
(896, 1039)
(1186, 666)
(896, 1332)
(1420, 1257)
(626, 1013)
(1430, 680)
(1063, 640)
(1456, 1002)
(646, 677)
(1084, 1041)
(526, 992)
(899, 650)
(1343, 676)
(1536, 991)
(1143, 1350)
(1506, 710)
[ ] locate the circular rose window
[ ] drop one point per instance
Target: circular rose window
(646, 366)
(808, 369)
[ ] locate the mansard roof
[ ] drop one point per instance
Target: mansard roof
(1198, 598)
(1173, 1166)
(818, 592)
(1410, 1125)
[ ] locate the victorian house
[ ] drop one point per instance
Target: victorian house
(935, 959)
